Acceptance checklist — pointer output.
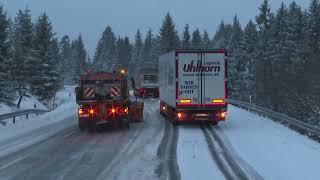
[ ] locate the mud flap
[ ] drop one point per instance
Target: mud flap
(136, 112)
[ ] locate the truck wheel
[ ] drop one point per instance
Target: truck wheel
(214, 123)
(92, 126)
(81, 126)
(175, 123)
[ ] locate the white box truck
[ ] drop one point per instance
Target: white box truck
(193, 85)
(147, 82)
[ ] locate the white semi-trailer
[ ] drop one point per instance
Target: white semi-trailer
(193, 86)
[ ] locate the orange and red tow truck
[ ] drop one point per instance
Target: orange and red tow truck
(103, 98)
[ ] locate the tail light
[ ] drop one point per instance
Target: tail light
(223, 115)
(119, 110)
(91, 111)
(141, 90)
(80, 111)
(180, 115)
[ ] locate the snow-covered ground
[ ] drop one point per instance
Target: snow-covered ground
(274, 150)
(28, 103)
(194, 158)
(66, 110)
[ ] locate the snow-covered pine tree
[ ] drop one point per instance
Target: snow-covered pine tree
(124, 52)
(296, 82)
(169, 38)
(156, 50)
(65, 61)
(186, 44)
(314, 26)
(147, 50)
(137, 53)
(249, 44)
(280, 58)
(105, 56)
(312, 63)
(43, 70)
(78, 60)
(55, 82)
(196, 41)
(263, 63)
(206, 40)
(6, 91)
(235, 61)
(221, 39)
(22, 45)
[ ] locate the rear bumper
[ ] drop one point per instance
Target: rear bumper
(147, 92)
(199, 116)
(99, 120)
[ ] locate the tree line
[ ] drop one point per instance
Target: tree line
(33, 61)
(273, 60)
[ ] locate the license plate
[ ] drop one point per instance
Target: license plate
(202, 115)
(201, 119)
(84, 115)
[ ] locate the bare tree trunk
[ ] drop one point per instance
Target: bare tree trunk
(20, 99)
(54, 102)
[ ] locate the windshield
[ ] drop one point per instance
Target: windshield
(150, 78)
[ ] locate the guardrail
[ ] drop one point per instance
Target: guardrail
(13, 115)
(298, 124)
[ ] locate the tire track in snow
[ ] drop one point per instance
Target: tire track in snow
(168, 167)
(227, 160)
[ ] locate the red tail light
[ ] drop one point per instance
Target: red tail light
(141, 90)
(180, 115)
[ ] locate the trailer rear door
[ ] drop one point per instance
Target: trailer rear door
(201, 78)
(213, 79)
(189, 80)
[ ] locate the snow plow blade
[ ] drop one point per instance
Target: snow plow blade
(136, 112)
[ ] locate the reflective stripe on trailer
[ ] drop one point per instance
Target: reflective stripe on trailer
(89, 92)
(115, 91)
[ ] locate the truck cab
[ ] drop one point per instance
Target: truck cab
(147, 82)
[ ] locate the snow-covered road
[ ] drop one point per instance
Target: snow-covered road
(194, 158)
(52, 147)
(71, 154)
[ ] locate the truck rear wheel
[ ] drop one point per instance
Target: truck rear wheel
(81, 125)
(92, 127)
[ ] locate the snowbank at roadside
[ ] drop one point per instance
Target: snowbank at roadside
(66, 111)
(28, 102)
(273, 149)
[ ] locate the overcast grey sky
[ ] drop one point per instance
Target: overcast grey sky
(90, 17)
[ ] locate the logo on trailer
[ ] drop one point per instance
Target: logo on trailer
(115, 91)
(200, 68)
(89, 92)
